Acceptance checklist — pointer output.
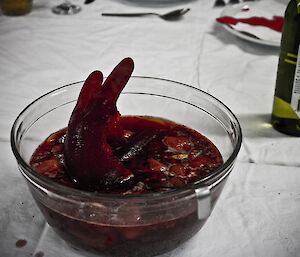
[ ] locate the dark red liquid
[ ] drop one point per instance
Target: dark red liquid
(161, 154)
(172, 158)
(21, 243)
(125, 240)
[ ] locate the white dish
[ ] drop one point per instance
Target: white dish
(247, 32)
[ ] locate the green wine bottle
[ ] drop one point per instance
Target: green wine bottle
(286, 106)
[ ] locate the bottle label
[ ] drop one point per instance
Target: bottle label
(295, 101)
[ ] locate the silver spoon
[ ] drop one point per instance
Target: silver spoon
(173, 15)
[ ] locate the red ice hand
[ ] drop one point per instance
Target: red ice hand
(95, 119)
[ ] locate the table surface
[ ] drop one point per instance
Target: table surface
(258, 212)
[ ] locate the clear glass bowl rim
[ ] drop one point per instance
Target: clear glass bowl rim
(46, 184)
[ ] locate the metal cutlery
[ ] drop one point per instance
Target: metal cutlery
(173, 15)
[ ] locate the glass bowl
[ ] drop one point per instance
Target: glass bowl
(140, 225)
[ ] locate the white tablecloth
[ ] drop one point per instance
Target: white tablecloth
(259, 210)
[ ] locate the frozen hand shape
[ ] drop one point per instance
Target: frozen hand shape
(88, 156)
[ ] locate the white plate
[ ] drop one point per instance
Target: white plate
(237, 10)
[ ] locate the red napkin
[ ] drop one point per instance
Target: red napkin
(276, 23)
